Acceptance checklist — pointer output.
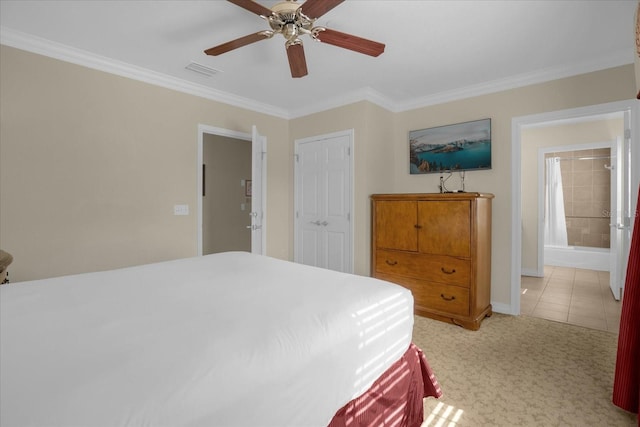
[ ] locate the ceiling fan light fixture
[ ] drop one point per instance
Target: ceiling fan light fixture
(293, 20)
(287, 19)
(286, 9)
(290, 31)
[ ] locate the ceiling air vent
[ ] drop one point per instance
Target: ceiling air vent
(202, 69)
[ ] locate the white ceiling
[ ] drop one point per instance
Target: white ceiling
(435, 50)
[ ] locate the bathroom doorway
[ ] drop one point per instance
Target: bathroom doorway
(524, 174)
(579, 192)
(588, 156)
(578, 188)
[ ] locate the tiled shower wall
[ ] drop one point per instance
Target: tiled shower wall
(586, 185)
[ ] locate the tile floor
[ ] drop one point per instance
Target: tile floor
(571, 295)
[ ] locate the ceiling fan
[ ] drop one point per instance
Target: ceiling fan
(292, 20)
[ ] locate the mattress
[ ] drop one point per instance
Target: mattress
(231, 339)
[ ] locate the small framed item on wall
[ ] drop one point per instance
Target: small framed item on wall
(459, 147)
(247, 188)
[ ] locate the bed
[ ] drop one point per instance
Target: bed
(230, 339)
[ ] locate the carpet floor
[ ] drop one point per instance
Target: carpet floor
(520, 371)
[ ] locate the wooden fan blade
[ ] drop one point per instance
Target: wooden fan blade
(252, 6)
(234, 44)
(297, 61)
(348, 41)
(316, 8)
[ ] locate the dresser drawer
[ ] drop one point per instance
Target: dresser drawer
(436, 268)
(436, 297)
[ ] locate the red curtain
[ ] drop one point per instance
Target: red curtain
(626, 386)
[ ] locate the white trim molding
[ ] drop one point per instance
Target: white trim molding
(41, 46)
(87, 59)
(614, 59)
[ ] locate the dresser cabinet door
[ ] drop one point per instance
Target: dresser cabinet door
(396, 225)
(445, 227)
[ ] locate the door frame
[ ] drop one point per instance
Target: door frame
(212, 130)
(350, 135)
(259, 181)
(517, 124)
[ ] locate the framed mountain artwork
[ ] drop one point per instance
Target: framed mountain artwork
(458, 147)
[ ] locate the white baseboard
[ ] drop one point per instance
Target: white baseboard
(530, 272)
(499, 307)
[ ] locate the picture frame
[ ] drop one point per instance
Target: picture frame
(247, 188)
(457, 147)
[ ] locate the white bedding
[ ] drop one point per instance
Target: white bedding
(221, 340)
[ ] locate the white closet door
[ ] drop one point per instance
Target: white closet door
(309, 204)
(323, 201)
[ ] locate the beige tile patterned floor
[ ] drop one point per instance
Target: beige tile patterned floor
(571, 295)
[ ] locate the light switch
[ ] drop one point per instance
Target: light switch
(243, 206)
(181, 209)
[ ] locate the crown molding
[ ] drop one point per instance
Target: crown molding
(364, 94)
(41, 46)
(66, 53)
(616, 59)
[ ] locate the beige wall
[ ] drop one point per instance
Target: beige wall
(135, 153)
(384, 165)
(583, 90)
(533, 140)
(91, 165)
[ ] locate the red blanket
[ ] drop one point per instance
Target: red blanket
(626, 387)
(395, 399)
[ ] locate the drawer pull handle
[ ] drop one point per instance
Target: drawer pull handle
(447, 298)
(447, 271)
(418, 226)
(391, 262)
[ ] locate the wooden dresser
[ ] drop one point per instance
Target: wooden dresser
(438, 246)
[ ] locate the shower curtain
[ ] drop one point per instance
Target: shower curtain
(626, 386)
(555, 224)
